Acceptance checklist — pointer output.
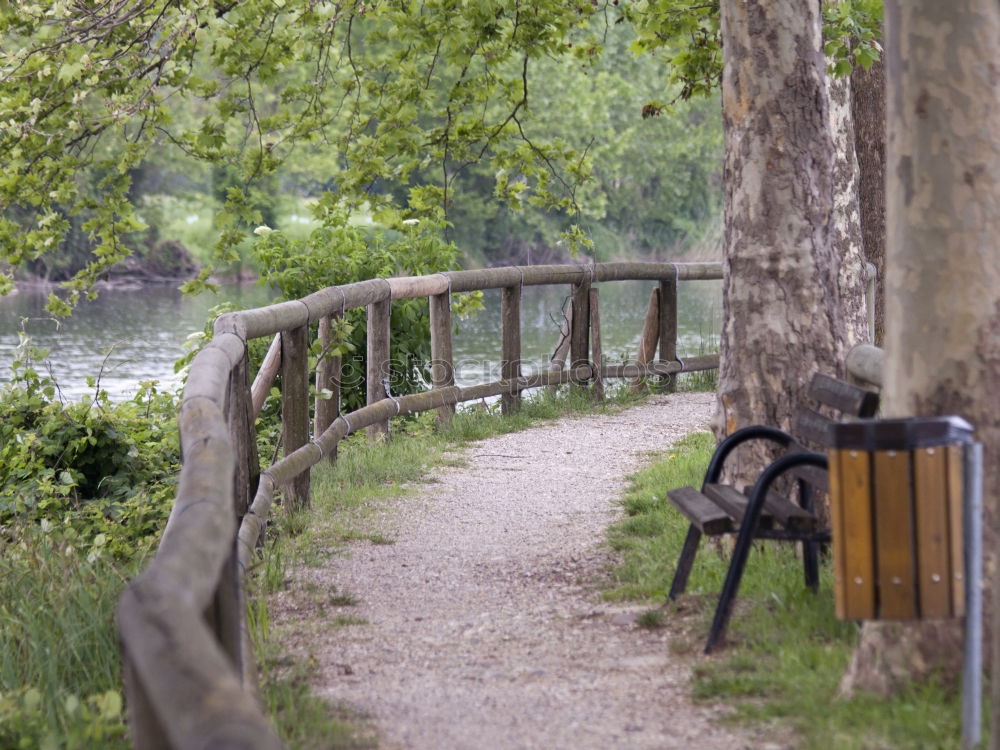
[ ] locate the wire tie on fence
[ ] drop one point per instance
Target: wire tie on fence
(521, 271)
(447, 276)
(343, 302)
(681, 362)
(388, 393)
(349, 429)
(389, 286)
(593, 270)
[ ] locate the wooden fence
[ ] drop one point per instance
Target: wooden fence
(190, 677)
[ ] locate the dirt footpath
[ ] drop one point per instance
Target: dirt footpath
(484, 622)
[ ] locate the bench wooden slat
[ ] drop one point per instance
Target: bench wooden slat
(735, 503)
(707, 517)
(843, 397)
(813, 427)
(791, 516)
(811, 475)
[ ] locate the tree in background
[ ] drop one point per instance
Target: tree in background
(943, 280)
(868, 115)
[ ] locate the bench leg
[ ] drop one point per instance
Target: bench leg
(684, 562)
(725, 606)
(741, 551)
(748, 529)
(810, 550)
(810, 562)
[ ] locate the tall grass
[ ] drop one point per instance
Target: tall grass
(786, 651)
(59, 658)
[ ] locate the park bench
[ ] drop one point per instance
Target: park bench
(758, 512)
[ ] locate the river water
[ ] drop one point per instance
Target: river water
(127, 336)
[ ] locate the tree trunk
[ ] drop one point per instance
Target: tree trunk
(868, 110)
(781, 302)
(943, 277)
(846, 226)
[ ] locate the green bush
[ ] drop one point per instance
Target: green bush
(107, 471)
(85, 490)
(340, 251)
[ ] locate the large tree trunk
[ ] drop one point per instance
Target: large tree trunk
(846, 225)
(781, 300)
(868, 110)
(943, 274)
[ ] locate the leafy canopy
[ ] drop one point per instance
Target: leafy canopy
(90, 90)
(391, 101)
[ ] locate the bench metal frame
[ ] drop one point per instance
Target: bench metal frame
(749, 527)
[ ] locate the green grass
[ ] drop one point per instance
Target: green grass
(303, 720)
(59, 657)
(786, 652)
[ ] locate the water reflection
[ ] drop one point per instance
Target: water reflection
(124, 337)
(623, 308)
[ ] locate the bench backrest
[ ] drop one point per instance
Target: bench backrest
(843, 400)
(814, 430)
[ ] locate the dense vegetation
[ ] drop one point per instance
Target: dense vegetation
(85, 490)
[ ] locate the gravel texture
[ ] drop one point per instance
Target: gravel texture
(484, 622)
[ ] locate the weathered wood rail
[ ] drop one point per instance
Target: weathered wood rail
(189, 669)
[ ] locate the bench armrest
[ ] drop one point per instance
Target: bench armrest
(728, 444)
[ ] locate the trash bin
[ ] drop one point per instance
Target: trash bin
(896, 502)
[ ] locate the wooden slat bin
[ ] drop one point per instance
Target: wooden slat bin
(896, 499)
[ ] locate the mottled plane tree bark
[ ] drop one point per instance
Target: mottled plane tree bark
(783, 317)
(846, 226)
(942, 277)
(868, 115)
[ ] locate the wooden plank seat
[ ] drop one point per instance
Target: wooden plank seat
(759, 512)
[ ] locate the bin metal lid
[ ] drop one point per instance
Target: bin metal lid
(901, 434)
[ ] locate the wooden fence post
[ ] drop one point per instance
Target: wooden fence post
(668, 327)
(295, 405)
(579, 337)
(243, 437)
(231, 600)
(145, 729)
(510, 356)
(328, 373)
(442, 364)
(379, 316)
(226, 611)
(595, 339)
(649, 338)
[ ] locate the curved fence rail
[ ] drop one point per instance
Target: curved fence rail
(189, 669)
(865, 363)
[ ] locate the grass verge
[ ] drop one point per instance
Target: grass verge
(786, 652)
(59, 658)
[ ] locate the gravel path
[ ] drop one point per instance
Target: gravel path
(485, 627)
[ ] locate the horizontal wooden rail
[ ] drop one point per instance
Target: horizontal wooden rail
(267, 321)
(189, 672)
